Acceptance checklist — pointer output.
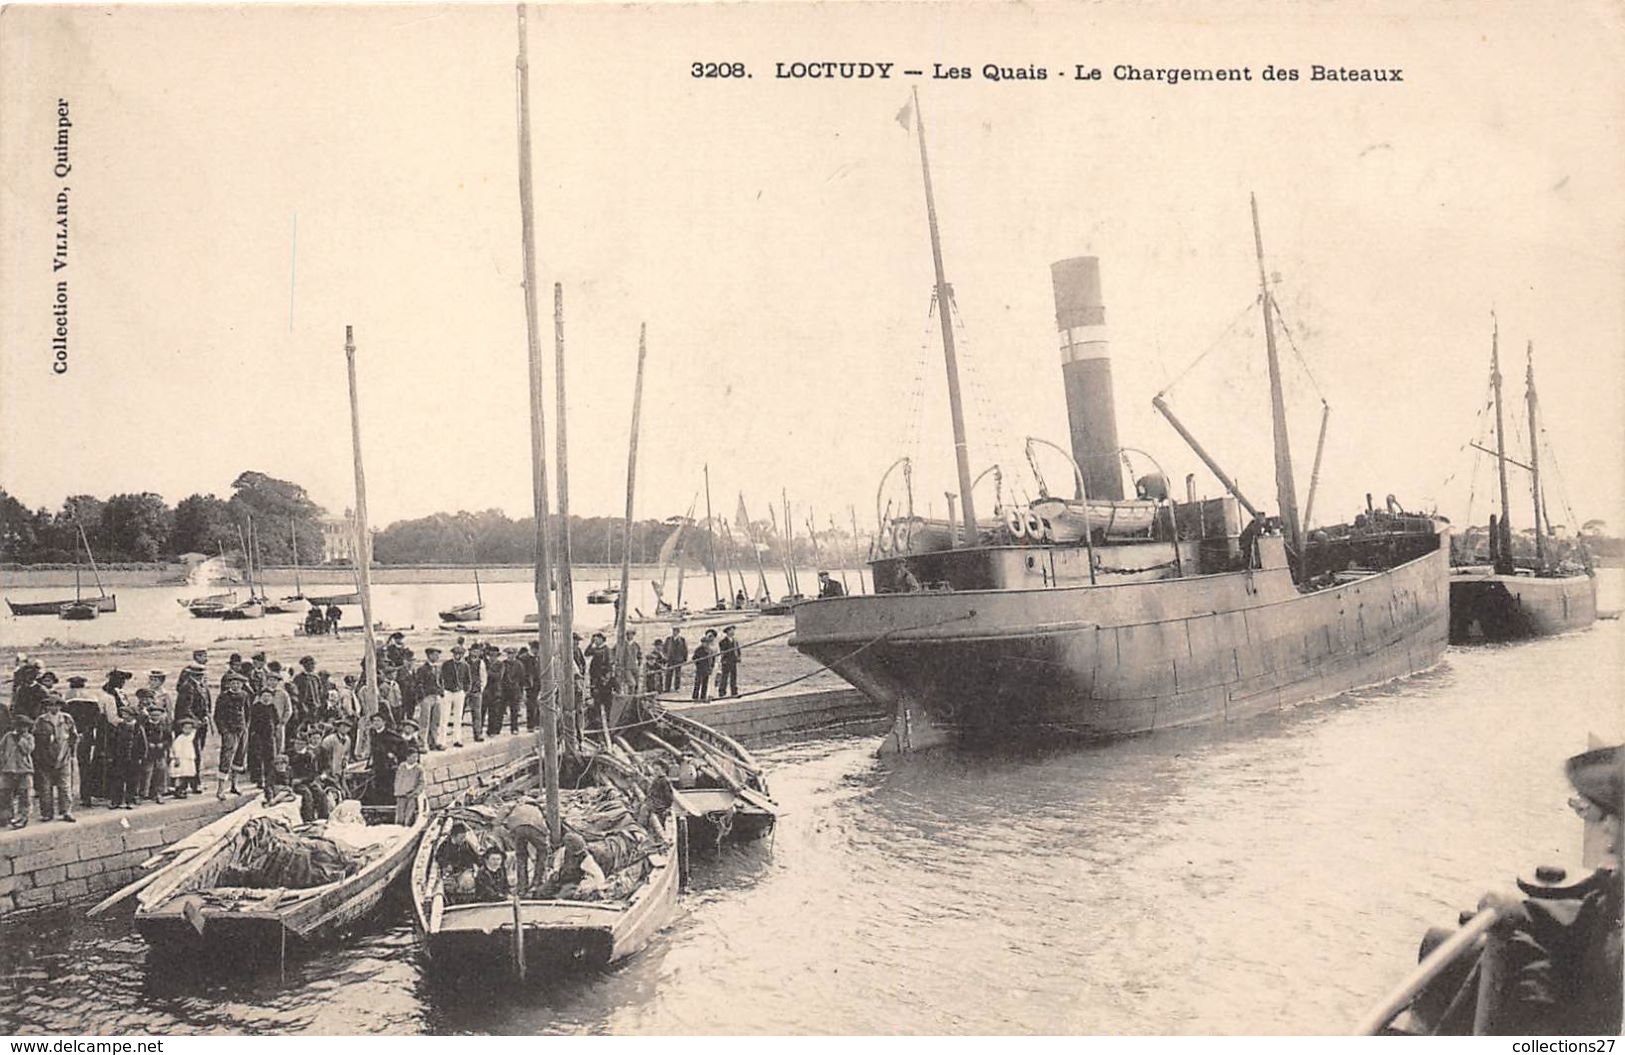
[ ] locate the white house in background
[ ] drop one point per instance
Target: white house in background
(338, 538)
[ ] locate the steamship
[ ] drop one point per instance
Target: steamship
(1102, 616)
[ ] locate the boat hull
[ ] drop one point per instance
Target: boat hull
(309, 919)
(558, 934)
(1489, 607)
(108, 603)
(466, 613)
(334, 598)
(1113, 660)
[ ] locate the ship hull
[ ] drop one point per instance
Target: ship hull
(1488, 607)
(1102, 661)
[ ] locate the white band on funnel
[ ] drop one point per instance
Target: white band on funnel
(1079, 343)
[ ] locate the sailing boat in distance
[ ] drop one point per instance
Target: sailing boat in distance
(103, 601)
(1520, 596)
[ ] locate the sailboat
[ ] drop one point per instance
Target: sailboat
(470, 612)
(254, 607)
(102, 602)
(1517, 597)
(1106, 636)
(609, 593)
(296, 601)
(538, 915)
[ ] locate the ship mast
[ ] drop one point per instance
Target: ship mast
(1503, 544)
(711, 535)
(538, 460)
(961, 452)
(1534, 460)
(1285, 489)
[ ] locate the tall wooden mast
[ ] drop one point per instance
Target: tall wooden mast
(1286, 491)
(949, 354)
(1503, 544)
(711, 534)
(363, 537)
(538, 459)
(1541, 526)
(626, 675)
(567, 608)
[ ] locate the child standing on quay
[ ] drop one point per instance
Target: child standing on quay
(408, 782)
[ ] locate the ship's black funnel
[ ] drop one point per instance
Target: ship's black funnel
(1086, 371)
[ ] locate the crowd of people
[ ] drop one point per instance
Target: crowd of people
(71, 746)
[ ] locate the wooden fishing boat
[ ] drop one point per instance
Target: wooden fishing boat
(607, 595)
(108, 603)
(462, 613)
(780, 607)
(704, 617)
(187, 907)
(340, 599)
(557, 932)
(720, 786)
(253, 608)
(103, 602)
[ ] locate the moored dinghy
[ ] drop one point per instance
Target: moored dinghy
(718, 785)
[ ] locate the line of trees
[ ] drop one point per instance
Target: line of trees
(144, 528)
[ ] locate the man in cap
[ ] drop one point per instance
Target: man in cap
(27, 692)
(161, 695)
(395, 652)
(704, 659)
(515, 683)
(474, 702)
(456, 677)
(728, 661)
(256, 676)
(86, 713)
(193, 700)
(115, 701)
(56, 741)
(600, 675)
(431, 702)
(828, 587)
(277, 690)
(231, 714)
(16, 768)
(305, 692)
(127, 750)
(532, 661)
(160, 733)
(232, 664)
(265, 732)
(496, 680)
(676, 658)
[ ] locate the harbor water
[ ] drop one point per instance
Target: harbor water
(1273, 876)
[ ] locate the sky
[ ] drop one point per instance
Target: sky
(248, 181)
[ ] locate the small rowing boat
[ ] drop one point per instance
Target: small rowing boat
(79, 610)
(266, 877)
(704, 617)
(602, 798)
(334, 598)
(716, 783)
(463, 613)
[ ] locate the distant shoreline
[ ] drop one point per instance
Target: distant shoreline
(27, 578)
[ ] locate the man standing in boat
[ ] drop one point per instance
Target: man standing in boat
(728, 659)
(600, 675)
(306, 692)
(828, 587)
